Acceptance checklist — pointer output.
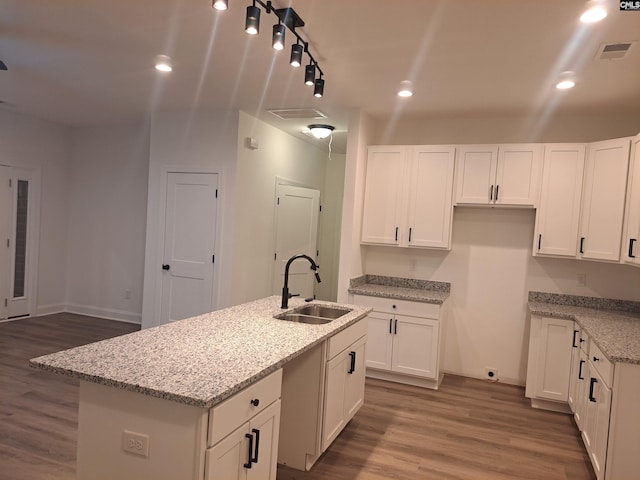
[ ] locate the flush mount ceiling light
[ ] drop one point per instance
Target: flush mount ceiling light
(288, 19)
(594, 12)
(406, 89)
(321, 130)
(220, 4)
(163, 63)
(566, 81)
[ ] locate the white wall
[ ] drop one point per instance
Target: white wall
(279, 155)
(107, 189)
(43, 146)
(204, 142)
(490, 266)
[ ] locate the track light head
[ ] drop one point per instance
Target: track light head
(296, 55)
(278, 36)
(321, 130)
(318, 89)
(309, 74)
(252, 22)
(220, 4)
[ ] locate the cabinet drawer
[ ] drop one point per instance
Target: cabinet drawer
(404, 307)
(226, 417)
(346, 337)
(600, 363)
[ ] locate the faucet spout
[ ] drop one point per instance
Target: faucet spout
(285, 289)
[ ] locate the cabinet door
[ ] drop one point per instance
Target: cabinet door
(604, 199)
(334, 398)
(379, 340)
(559, 211)
(475, 174)
(580, 412)
(518, 174)
(354, 388)
(226, 460)
(631, 243)
(383, 194)
(430, 196)
(265, 428)
(554, 358)
(415, 346)
(576, 368)
(596, 431)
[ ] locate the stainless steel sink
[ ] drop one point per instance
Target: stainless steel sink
(313, 314)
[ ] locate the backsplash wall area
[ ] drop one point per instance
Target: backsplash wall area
(491, 270)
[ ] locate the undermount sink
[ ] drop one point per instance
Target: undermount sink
(313, 314)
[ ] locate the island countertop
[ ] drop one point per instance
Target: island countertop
(203, 360)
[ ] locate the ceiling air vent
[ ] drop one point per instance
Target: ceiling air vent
(297, 113)
(611, 51)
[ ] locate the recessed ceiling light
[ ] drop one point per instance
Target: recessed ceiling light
(594, 12)
(565, 84)
(220, 4)
(406, 89)
(163, 63)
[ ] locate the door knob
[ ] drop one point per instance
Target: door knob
(166, 267)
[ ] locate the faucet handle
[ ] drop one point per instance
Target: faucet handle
(291, 295)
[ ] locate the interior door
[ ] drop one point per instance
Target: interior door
(297, 211)
(5, 234)
(189, 244)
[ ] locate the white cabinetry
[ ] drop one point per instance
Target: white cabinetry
(558, 216)
(631, 239)
(603, 200)
(250, 451)
(408, 196)
(500, 175)
(549, 363)
(404, 340)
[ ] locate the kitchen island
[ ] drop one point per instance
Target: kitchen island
(157, 403)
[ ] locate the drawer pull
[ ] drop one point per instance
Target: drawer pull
(593, 382)
(255, 457)
(631, 242)
(580, 377)
(573, 342)
(352, 367)
(596, 359)
(255, 402)
(250, 437)
(581, 244)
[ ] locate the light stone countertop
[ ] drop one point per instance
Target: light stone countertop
(617, 333)
(398, 288)
(203, 360)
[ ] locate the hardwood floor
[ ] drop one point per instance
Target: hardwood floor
(469, 429)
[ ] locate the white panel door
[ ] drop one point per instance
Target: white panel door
(430, 196)
(5, 235)
(604, 199)
(631, 245)
(415, 346)
(379, 340)
(189, 245)
(383, 193)
(476, 173)
(518, 174)
(554, 359)
(297, 210)
(559, 213)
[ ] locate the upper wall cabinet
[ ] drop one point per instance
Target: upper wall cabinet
(604, 194)
(630, 245)
(408, 196)
(498, 175)
(556, 231)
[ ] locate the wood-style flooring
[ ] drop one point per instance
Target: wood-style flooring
(469, 429)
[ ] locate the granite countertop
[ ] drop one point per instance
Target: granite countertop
(202, 360)
(616, 331)
(424, 291)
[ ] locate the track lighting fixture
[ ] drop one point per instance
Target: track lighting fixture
(310, 74)
(296, 55)
(220, 4)
(252, 22)
(287, 19)
(320, 130)
(278, 36)
(318, 89)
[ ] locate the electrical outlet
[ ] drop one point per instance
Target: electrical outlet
(582, 279)
(137, 443)
(491, 374)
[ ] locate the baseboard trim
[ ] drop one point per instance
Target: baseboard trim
(406, 379)
(106, 313)
(48, 309)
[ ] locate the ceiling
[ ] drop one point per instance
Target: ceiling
(90, 62)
